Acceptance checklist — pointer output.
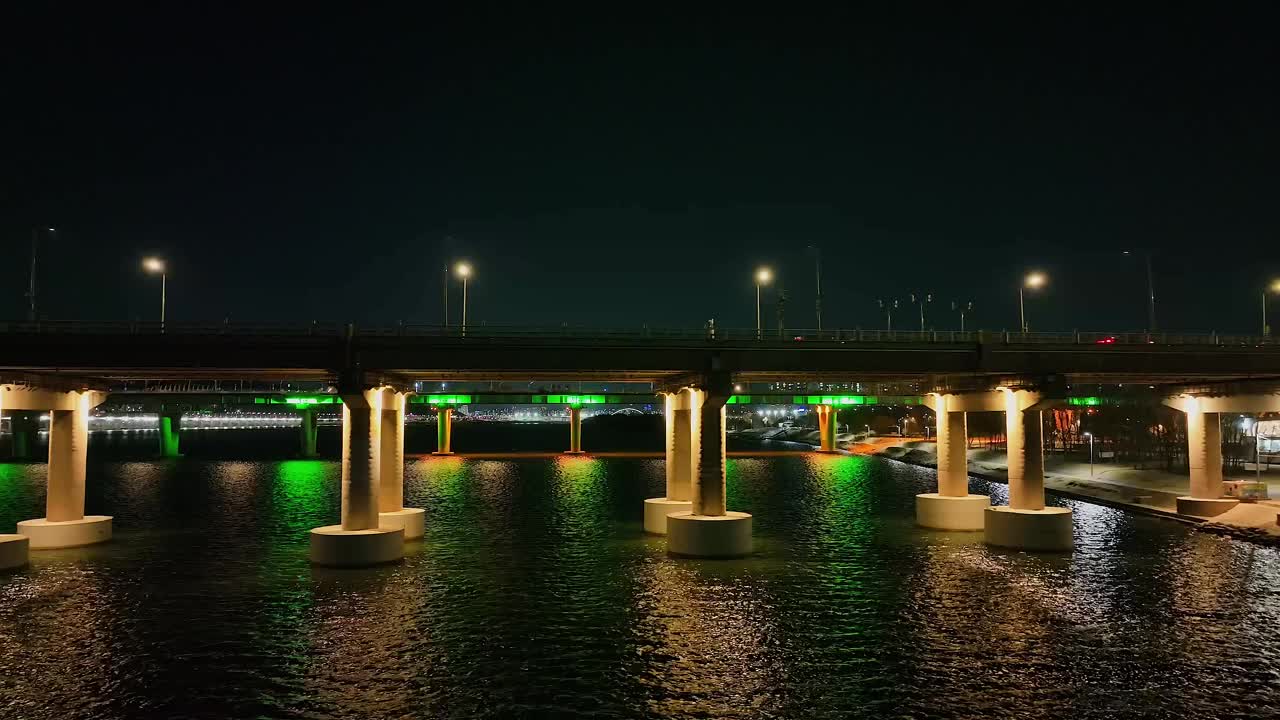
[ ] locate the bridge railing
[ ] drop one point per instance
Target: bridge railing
(708, 335)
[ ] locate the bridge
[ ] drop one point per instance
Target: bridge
(371, 373)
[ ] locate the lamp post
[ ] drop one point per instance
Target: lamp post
(888, 306)
(964, 309)
(464, 271)
(1090, 436)
(763, 276)
(1034, 281)
(155, 265)
(1266, 330)
(922, 301)
(817, 268)
(31, 288)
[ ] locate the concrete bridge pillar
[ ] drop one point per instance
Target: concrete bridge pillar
(170, 433)
(575, 431)
(391, 510)
(680, 411)
(359, 540)
(308, 432)
(827, 428)
(1204, 458)
(1025, 523)
(444, 431)
(709, 529)
(64, 524)
(25, 429)
(952, 507)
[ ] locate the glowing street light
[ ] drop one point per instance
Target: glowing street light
(1274, 287)
(1090, 436)
(155, 265)
(463, 271)
(763, 277)
(1035, 281)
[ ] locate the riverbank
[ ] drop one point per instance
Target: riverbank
(1143, 490)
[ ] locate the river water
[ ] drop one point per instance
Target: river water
(536, 594)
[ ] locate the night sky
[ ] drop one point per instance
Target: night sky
(636, 168)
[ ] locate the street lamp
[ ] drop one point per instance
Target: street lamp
(1275, 288)
(922, 301)
(1090, 436)
(155, 265)
(31, 288)
(464, 271)
(964, 310)
(763, 277)
(1034, 281)
(888, 306)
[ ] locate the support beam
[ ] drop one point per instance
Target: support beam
(827, 426)
(444, 431)
(65, 524)
(575, 431)
(391, 510)
(308, 433)
(709, 529)
(170, 433)
(359, 541)
(1026, 524)
(952, 507)
(679, 410)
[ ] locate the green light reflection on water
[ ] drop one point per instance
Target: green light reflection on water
(302, 495)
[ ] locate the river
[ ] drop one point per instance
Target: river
(536, 594)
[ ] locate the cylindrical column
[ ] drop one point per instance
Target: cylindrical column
(169, 434)
(953, 446)
(444, 430)
(308, 432)
(68, 455)
(575, 430)
(1204, 454)
(391, 456)
(1026, 454)
(361, 446)
(827, 428)
(709, 482)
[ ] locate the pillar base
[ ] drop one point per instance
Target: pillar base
(1048, 529)
(575, 452)
(14, 551)
(709, 536)
(437, 452)
(1205, 507)
(656, 511)
(45, 535)
(947, 512)
(335, 547)
(411, 520)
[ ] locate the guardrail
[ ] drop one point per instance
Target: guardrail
(699, 335)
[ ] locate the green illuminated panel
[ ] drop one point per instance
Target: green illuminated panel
(299, 400)
(1084, 401)
(449, 399)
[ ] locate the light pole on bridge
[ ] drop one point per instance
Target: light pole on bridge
(464, 271)
(1034, 281)
(763, 276)
(1275, 288)
(155, 265)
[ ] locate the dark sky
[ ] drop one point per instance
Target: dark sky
(636, 168)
